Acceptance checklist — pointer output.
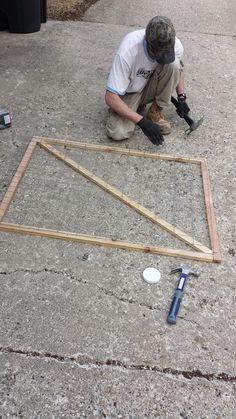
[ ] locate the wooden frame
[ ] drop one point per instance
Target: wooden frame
(200, 252)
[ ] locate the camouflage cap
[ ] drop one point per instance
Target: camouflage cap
(160, 36)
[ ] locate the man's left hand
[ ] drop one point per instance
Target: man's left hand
(183, 108)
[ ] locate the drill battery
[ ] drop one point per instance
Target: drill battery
(5, 119)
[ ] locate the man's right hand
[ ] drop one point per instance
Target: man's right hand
(151, 130)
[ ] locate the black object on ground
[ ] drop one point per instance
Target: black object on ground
(24, 16)
(5, 119)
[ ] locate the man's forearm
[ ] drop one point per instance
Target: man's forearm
(121, 108)
(180, 88)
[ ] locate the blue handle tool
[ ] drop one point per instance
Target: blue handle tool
(176, 301)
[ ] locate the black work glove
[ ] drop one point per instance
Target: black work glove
(151, 130)
(183, 108)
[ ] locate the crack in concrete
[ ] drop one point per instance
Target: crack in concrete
(94, 363)
(228, 35)
(23, 270)
(110, 293)
(52, 271)
(129, 300)
(210, 33)
(189, 320)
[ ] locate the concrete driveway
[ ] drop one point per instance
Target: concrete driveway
(81, 334)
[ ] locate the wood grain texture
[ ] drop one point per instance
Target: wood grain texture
(210, 214)
(103, 241)
(17, 178)
(119, 150)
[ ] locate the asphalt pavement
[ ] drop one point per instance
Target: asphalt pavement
(82, 334)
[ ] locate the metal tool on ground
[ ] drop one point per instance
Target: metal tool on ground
(193, 125)
(5, 119)
(175, 305)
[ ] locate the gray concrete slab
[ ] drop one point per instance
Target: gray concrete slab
(30, 385)
(69, 311)
(82, 334)
(208, 17)
(78, 215)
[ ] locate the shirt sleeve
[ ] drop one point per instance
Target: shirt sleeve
(119, 77)
(179, 49)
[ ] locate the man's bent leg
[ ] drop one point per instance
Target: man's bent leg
(120, 128)
(159, 91)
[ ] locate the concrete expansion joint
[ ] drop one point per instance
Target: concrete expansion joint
(227, 35)
(85, 362)
(98, 22)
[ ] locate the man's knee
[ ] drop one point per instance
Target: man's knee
(119, 128)
(118, 133)
(174, 67)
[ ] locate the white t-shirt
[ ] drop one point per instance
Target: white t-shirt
(132, 66)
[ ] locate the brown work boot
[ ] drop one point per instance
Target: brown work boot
(155, 115)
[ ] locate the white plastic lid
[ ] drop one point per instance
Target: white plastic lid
(151, 275)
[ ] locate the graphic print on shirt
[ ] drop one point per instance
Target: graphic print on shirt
(142, 72)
